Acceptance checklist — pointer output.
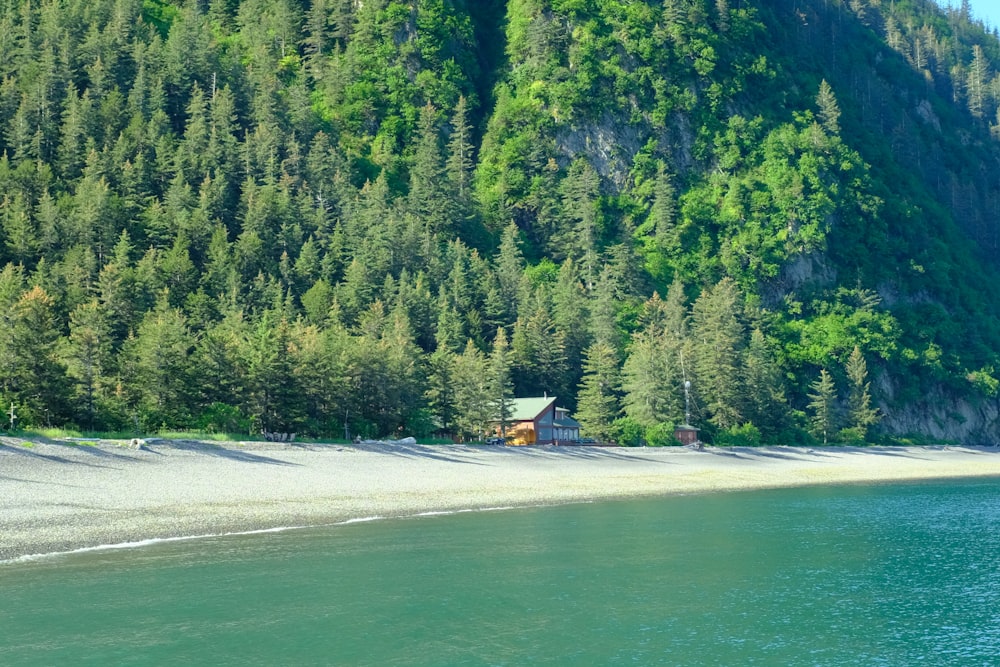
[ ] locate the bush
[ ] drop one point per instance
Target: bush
(628, 432)
(745, 435)
(223, 418)
(661, 435)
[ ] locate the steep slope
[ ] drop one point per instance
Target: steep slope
(332, 216)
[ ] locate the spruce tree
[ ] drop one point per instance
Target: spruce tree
(501, 385)
(829, 110)
(87, 356)
(427, 199)
(459, 164)
(823, 405)
(475, 409)
(160, 355)
(718, 340)
(861, 414)
(663, 212)
(597, 399)
(766, 404)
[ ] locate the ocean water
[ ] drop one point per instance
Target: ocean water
(851, 575)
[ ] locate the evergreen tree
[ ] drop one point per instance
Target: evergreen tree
(829, 110)
(538, 352)
(650, 384)
(861, 415)
(270, 382)
(501, 386)
(460, 164)
(597, 400)
(653, 376)
(159, 355)
(32, 377)
(581, 232)
(823, 405)
(766, 404)
(718, 341)
(88, 358)
(976, 85)
(474, 399)
(440, 393)
(663, 213)
(427, 199)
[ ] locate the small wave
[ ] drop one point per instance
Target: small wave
(137, 544)
(143, 543)
(465, 510)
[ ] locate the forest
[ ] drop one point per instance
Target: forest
(344, 219)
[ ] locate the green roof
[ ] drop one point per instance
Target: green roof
(526, 409)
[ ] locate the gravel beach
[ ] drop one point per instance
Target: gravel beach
(60, 496)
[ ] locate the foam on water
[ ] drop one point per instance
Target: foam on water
(138, 544)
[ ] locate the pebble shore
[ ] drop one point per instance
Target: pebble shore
(59, 496)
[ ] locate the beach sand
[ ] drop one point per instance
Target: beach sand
(57, 497)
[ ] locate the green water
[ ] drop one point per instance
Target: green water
(883, 575)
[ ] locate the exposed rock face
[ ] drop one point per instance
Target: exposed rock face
(610, 147)
(941, 416)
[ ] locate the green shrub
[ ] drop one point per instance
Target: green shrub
(627, 432)
(661, 435)
(745, 435)
(223, 418)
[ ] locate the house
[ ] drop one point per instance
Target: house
(537, 421)
(565, 428)
(532, 421)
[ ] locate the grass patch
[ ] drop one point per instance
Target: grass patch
(43, 434)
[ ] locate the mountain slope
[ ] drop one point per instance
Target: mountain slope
(318, 216)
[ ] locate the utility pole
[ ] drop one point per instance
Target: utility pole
(687, 402)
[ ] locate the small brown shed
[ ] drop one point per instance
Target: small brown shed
(687, 434)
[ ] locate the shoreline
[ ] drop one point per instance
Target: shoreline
(59, 497)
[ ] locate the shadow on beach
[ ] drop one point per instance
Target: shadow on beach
(807, 453)
(578, 452)
(213, 449)
(450, 454)
(29, 452)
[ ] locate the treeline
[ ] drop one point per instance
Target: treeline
(334, 217)
(308, 372)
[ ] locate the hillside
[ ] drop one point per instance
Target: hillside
(336, 217)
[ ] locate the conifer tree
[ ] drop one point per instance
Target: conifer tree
(976, 82)
(653, 375)
(829, 110)
(427, 199)
(501, 385)
(718, 340)
(440, 392)
(475, 409)
(663, 212)
(538, 351)
(580, 233)
(823, 405)
(160, 356)
(270, 382)
(569, 309)
(87, 357)
(766, 404)
(32, 376)
(650, 383)
(460, 165)
(597, 399)
(861, 414)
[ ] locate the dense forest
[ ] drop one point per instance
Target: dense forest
(338, 217)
